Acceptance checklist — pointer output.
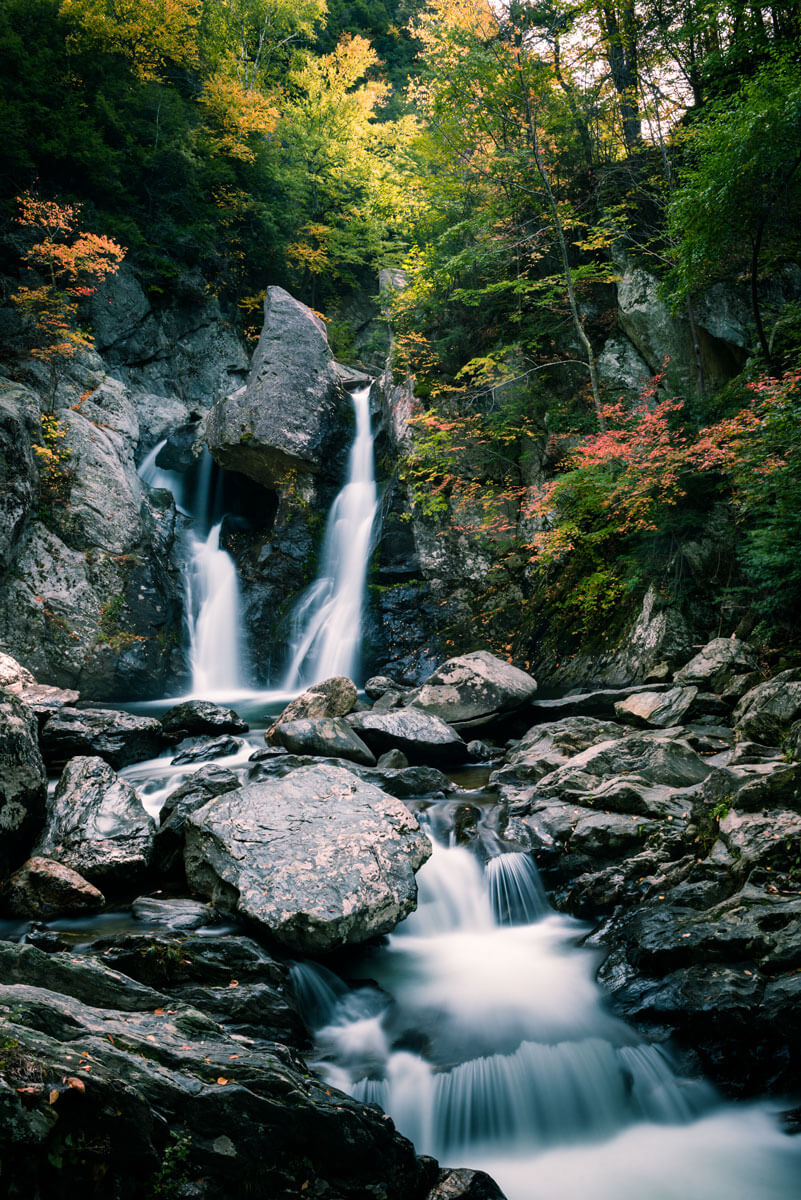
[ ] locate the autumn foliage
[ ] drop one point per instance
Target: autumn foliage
(65, 265)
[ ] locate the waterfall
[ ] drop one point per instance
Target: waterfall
(486, 1039)
(328, 618)
(211, 587)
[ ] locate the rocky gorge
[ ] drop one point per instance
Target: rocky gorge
(230, 928)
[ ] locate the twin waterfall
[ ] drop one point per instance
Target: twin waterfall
(327, 623)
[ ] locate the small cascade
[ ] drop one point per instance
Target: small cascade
(212, 617)
(327, 622)
(487, 1041)
(211, 587)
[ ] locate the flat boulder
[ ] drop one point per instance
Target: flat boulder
(119, 738)
(423, 737)
(319, 859)
(282, 418)
(717, 664)
(23, 781)
(324, 737)
(43, 889)
(645, 759)
(195, 717)
(473, 689)
(41, 698)
(767, 712)
(97, 826)
(658, 709)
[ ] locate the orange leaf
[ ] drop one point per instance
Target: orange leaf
(54, 1095)
(76, 1084)
(222, 1079)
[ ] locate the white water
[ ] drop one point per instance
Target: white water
(212, 617)
(496, 1052)
(211, 587)
(327, 622)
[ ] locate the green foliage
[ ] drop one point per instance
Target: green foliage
(55, 473)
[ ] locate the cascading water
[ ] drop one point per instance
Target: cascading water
(495, 1051)
(211, 587)
(328, 618)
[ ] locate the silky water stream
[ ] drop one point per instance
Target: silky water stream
(487, 1040)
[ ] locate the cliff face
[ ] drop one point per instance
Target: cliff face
(90, 593)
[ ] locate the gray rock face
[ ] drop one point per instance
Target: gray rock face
(280, 420)
(766, 712)
(19, 428)
(319, 859)
(652, 760)
(202, 786)
(204, 750)
(97, 826)
(323, 736)
(118, 737)
(23, 782)
(546, 747)
(201, 716)
(659, 709)
(42, 889)
(472, 689)
(423, 738)
(720, 662)
(621, 367)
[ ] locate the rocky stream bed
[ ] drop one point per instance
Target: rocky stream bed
(181, 907)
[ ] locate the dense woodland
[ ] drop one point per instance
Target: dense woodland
(510, 158)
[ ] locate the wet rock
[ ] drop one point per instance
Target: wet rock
(598, 704)
(173, 915)
(323, 736)
(333, 697)
(23, 782)
(413, 781)
(393, 760)
(645, 759)
(282, 418)
(137, 1073)
(473, 689)
(605, 834)
(195, 717)
(715, 667)
(319, 859)
(766, 712)
(117, 737)
(423, 738)
(204, 785)
(40, 698)
(375, 687)
(464, 1184)
(658, 709)
(206, 749)
(42, 889)
(97, 826)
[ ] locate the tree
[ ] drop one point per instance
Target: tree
(67, 263)
(740, 187)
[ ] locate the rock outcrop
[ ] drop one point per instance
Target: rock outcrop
(96, 825)
(118, 737)
(273, 852)
(473, 690)
(282, 418)
(23, 781)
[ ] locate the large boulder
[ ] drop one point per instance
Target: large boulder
(118, 737)
(422, 737)
(23, 781)
(717, 664)
(324, 737)
(645, 758)
(194, 717)
(766, 712)
(42, 889)
(97, 826)
(319, 859)
(334, 697)
(473, 689)
(659, 709)
(203, 785)
(282, 418)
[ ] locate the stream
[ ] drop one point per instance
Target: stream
(477, 1025)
